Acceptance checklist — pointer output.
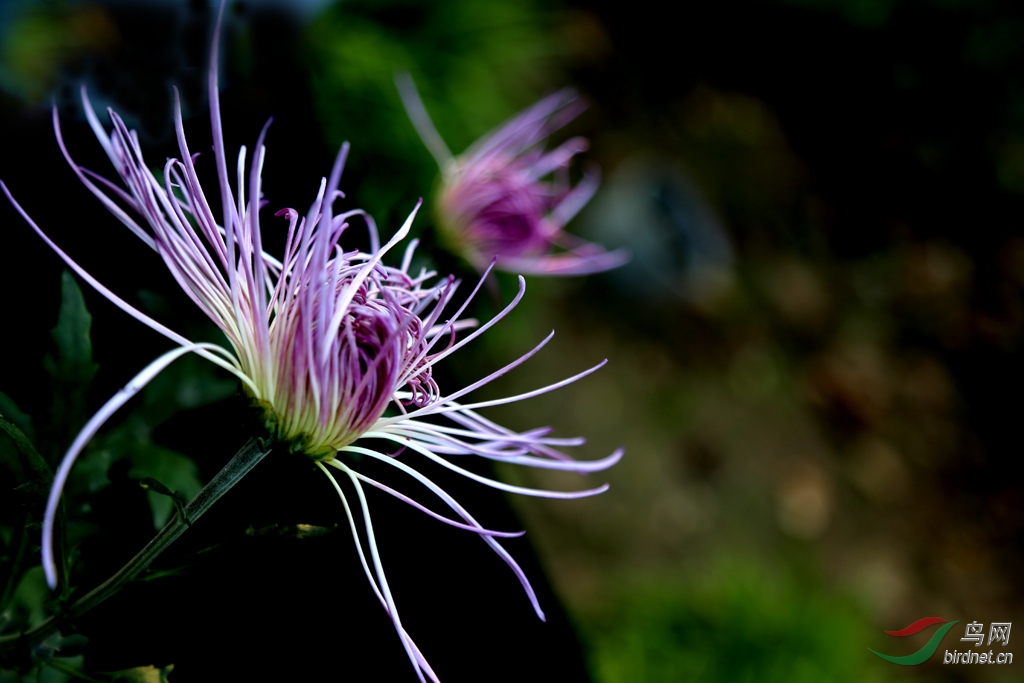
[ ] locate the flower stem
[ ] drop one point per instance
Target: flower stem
(247, 457)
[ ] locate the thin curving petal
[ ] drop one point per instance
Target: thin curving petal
(92, 426)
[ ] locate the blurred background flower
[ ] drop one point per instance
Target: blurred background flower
(494, 202)
(814, 351)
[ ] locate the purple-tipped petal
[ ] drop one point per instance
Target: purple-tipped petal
(567, 263)
(494, 203)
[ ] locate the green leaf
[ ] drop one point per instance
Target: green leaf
(29, 600)
(91, 468)
(172, 471)
(21, 420)
(40, 471)
(62, 670)
(70, 365)
(65, 669)
(73, 359)
(142, 674)
(35, 476)
(191, 382)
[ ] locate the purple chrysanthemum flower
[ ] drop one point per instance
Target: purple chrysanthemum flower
(324, 340)
(493, 202)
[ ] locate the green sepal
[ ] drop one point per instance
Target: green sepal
(151, 484)
(173, 472)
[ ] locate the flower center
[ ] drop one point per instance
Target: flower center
(334, 375)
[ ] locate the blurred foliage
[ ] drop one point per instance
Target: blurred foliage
(35, 44)
(866, 13)
(452, 49)
(734, 624)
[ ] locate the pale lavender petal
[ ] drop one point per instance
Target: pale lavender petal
(566, 263)
(441, 518)
(419, 662)
(538, 493)
(447, 406)
(88, 431)
(454, 505)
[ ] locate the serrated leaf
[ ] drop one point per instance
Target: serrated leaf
(73, 359)
(70, 365)
(175, 471)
